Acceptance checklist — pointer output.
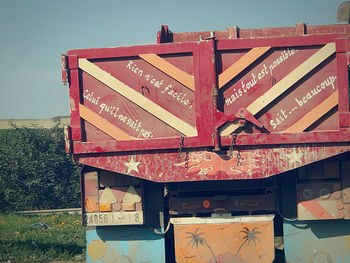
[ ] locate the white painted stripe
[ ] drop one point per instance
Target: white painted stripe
(288, 81)
(304, 214)
(285, 83)
(137, 98)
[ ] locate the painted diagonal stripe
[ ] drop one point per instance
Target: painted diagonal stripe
(314, 114)
(104, 125)
(285, 83)
(137, 98)
(317, 210)
(241, 64)
(169, 69)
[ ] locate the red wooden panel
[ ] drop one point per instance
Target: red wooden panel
(205, 84)
(302, 99)
(162, 101)
(118, 110)
(74, 95)
(261, 77)
(281, 86)
(102, 53)
(166, 106)
(155, 85)
(343, 82)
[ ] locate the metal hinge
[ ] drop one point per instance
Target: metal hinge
(212, 36)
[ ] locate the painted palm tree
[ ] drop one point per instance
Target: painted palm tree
(196, 238)
(249, 236)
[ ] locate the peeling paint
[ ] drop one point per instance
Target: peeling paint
(205, 165)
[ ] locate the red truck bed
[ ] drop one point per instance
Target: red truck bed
(233, 104)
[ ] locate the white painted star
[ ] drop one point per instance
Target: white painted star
(294, 158)
(132, 165)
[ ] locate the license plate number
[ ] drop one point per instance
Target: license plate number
(113, 218)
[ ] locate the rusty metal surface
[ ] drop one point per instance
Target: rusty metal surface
(245, 163)
(233, 32)
(221, 203)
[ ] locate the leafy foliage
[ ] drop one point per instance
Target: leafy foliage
(35, 171)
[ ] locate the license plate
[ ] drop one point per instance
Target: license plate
(113, 218)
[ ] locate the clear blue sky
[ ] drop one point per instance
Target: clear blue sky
(34, 33)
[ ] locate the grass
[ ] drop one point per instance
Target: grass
(59, 237)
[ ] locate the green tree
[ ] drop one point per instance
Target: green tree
(35, 171)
